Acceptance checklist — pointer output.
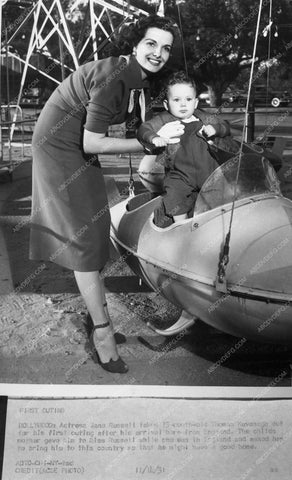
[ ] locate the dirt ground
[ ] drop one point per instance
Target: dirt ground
(44, 333)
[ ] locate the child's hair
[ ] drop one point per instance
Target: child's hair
(131, 33)
(178, 77)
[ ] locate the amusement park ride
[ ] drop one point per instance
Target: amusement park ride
(49, 24)
(230, 265)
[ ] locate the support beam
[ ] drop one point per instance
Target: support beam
(49, 22)
(1, 143)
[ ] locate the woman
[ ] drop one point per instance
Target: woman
(70, 218)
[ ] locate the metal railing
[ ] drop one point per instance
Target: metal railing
(12, 124)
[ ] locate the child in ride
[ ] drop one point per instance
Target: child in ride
(190, 161)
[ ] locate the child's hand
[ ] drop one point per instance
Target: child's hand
(208, 131)
(159, 141)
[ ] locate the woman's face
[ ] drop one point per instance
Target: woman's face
(152, 52)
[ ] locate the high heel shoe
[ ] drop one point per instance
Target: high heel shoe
(118, 336)
(113, 366)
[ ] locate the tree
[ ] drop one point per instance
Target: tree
(218, 36)
(219, 39)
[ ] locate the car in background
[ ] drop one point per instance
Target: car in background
(263, 97)
(283, 99)
(260, 96)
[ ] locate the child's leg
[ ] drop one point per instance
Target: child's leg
(161, 220)
(177, 201)
(178, 198)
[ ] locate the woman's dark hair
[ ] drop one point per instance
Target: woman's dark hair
(178, 77)
(132, 33)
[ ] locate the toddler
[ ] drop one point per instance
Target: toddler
(189, 159)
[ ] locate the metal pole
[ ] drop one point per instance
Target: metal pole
(1, 144)
(8, 94)
(61, 50)
(7, 66)
(93, 31)
(249, 130)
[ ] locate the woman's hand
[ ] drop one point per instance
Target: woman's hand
(171, 131)
(159, 141)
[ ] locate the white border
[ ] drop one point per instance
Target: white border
(101, 391)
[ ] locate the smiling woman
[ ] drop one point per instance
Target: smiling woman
(72, 229)
(152, 53)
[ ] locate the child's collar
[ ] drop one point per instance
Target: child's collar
(191, 119)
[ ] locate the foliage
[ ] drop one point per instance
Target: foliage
(217, 36)
(219, 39)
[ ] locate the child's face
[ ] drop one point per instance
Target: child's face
(181, 100)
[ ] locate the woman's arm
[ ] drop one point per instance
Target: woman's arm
(148, 130)
(99, 143)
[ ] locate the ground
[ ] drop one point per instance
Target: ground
(44, 331)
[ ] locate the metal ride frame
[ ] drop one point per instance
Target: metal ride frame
(49, 19)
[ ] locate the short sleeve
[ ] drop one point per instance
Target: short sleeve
(103, 106)
(105, 83)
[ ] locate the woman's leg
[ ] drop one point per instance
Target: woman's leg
(92, 290)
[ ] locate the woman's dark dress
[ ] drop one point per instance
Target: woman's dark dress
(70, 218)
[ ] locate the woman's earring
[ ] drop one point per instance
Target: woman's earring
(134, 52)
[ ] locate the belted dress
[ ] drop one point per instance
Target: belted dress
(70, 219)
